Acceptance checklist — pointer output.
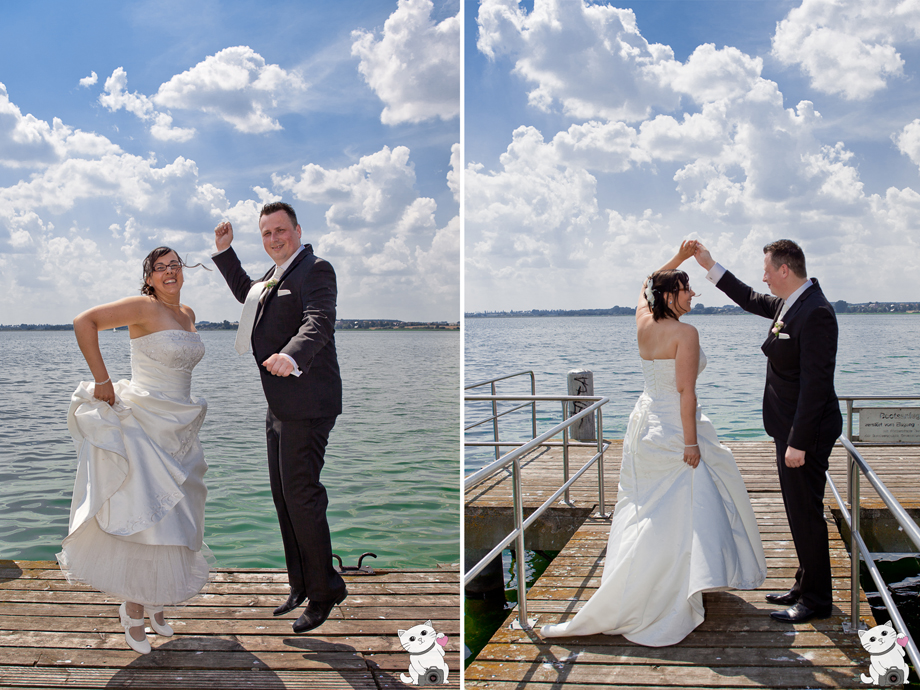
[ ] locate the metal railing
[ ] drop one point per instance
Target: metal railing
(856, 464)
(495, 414)
(513, 457)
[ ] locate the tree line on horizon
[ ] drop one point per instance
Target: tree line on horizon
(840, 306)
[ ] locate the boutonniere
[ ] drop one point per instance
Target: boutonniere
(777, 331)
(270, 284)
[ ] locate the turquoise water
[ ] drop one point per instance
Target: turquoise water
(392, 465)
(878, 354)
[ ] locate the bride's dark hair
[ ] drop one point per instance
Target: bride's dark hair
(665, 284)
(151, 261)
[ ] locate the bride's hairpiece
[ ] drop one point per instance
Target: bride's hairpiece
(649, 293)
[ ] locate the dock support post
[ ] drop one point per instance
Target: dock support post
(581, 382)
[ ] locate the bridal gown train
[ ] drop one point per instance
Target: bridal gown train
(137, 514)
(676, 531)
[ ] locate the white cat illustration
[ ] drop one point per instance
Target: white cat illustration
(887, 649)
(426, 655)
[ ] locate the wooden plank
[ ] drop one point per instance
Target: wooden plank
(152, 679)
(53, 634)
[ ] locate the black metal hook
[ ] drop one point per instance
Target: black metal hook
(355, 570)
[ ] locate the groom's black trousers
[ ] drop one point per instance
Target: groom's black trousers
(803, 497)
(296, 451)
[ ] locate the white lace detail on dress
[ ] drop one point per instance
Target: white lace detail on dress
(174, 349)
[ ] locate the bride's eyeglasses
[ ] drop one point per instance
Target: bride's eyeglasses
(172, 266)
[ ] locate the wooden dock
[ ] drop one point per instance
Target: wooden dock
(53, 634)
(738, 645)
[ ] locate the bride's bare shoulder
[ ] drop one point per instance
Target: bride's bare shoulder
(687, 334)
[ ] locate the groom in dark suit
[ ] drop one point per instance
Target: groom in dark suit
(293, 307)
(800, 409)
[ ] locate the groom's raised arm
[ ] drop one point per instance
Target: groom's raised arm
(743, 295)
(228, 263)
(747, 298)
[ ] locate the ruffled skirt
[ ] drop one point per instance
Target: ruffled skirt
(137, 515)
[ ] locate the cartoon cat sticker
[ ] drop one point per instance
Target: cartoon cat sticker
(887, 649)
(426, 655)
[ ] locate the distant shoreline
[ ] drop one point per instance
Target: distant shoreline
(840, 307)
(340, 325)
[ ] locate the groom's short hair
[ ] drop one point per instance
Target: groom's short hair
(789, 253)
(276, 206)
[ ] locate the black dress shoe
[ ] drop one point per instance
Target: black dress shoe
(798, 614)
(787, 599)
(293, 601)
(316, 613)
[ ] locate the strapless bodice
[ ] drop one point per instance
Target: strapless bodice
(163, 361)
(661, 375)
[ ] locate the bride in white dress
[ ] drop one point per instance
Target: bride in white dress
(137, 514)
(683, 522)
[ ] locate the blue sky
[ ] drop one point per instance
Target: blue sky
(599, 136)
(124, 126)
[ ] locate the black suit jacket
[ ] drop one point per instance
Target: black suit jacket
(800, 405)
(296, 317)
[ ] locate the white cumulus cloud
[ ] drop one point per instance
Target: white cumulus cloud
(908, 141)
(383, 235)
(90, 80)
(236, 85)
(414, 67)
(27, 142)
(848, 47)
(116, 97)
(590, 58)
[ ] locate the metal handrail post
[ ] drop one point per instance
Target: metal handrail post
(854, 538)
(495, 423)
(565, 451)
(519, 525)
(850, 419)
(600, 462)
(533, 405)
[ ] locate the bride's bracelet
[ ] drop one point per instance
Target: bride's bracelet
(100, 383)
(691, 445)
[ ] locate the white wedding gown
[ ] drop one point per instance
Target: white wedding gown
(676, 531)
(137, 515)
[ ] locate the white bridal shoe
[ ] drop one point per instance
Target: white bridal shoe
(165, 630)
(139, 646)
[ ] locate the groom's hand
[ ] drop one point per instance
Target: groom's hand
(794, 457)
(223, 236)
(703, 257)
(278, 365)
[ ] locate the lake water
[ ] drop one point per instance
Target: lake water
(878, 354)
(392, 464)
